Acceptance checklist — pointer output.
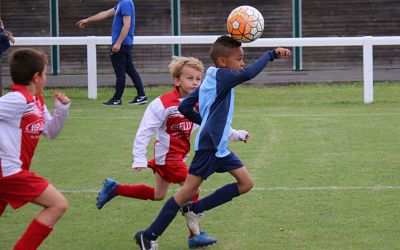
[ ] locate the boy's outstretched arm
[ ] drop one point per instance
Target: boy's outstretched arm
(282, 52)
(231, 78)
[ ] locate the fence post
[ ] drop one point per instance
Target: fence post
(368, 70)
(92, 67)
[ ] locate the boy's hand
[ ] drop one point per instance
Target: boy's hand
(246, 138)
(137, 169)
(282, 52)
(244, 135)
(58, 96)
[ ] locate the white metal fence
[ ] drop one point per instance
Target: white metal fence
(367, 42)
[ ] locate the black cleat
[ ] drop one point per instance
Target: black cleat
(143, 243)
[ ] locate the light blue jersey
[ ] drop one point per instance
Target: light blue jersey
(215, 97)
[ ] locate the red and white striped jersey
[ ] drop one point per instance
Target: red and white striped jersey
(23, 119)
(171, 129)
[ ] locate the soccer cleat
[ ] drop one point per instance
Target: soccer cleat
(106, 193)
(139, 100)
(144, 243)
(201, 240)
(113, 102)
(192, 219)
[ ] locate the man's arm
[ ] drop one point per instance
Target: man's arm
(95, 18)
(124, 32)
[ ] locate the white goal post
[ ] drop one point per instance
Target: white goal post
(367, 42)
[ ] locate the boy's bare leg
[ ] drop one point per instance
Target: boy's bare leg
(244, 180)
(54, 204)
(161, 188)
(188, 190)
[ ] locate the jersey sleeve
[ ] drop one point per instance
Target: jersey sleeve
(187, 107)
(12, 105)
(54, 125)
(228, 78)
(236, 135)
(153, 118)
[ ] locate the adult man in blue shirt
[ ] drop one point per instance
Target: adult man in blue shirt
(123, 29)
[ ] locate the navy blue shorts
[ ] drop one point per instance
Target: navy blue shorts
(205, 163)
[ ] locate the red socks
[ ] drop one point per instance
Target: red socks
(196, 197)
(138, 191)
(34, 235)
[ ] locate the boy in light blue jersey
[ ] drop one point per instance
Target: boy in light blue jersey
(215, 98)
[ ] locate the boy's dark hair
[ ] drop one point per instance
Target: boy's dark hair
(24, 63)
(222, 46)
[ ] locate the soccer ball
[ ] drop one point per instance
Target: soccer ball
(245, 24)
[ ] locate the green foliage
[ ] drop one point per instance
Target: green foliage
(326, 168)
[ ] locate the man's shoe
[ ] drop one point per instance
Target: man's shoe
(201, 240)
(144, 243)
(192, 219)
(106, 193)
(139, 100)
(113, 102)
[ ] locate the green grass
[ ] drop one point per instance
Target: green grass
(306, 140)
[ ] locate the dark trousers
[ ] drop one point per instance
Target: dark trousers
(1, 80)
(123, 64)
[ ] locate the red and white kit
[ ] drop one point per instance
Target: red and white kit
(172, 138)
(23, 119)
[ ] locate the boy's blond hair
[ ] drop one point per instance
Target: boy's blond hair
(178, 62)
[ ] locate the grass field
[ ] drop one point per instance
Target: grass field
(326, 168)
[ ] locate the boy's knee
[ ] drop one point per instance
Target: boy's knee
(250, 185)
(62, 206)
(246, 187)
(160, 194)
(159, 197)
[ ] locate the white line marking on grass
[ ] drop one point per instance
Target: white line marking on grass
(325, 188)
(332, 114)
(265, 115)
(262, 189)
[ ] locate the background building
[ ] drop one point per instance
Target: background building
(320, 18)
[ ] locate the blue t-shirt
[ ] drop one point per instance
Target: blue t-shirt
(216, 104)
(123, 8)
